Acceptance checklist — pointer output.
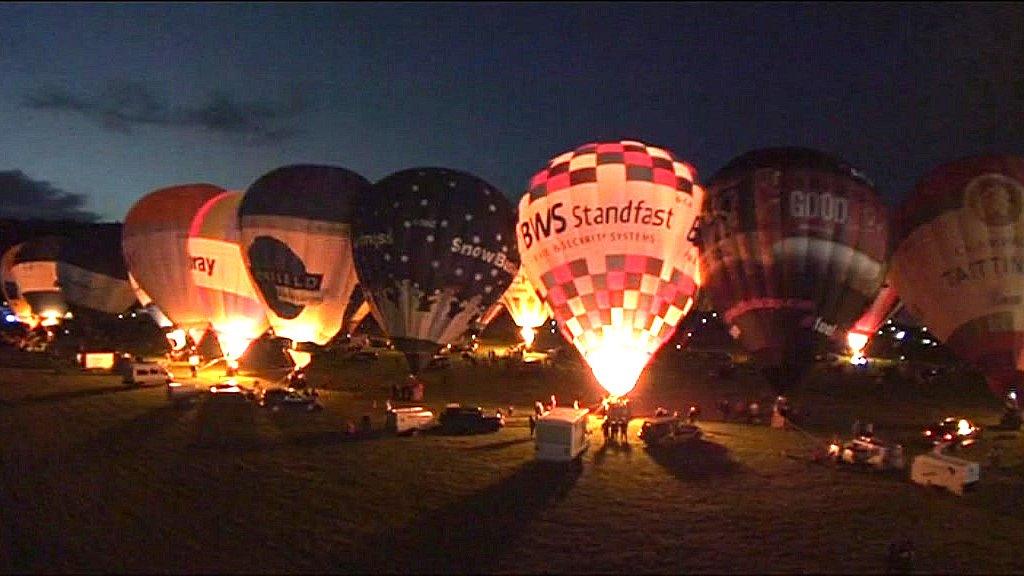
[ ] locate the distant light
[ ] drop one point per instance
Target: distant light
(903, 357)
(879, 332)
(714, 314)
(935, 343)
(924, 328)
(133, 314)
(901, 334)
(888, 321)
(926, 341)
(120, 316)
(679, 346)
(11, 318)
(67, 332)
(703, 320)
(689, 334)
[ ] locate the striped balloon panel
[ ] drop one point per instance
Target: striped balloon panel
(959, 265)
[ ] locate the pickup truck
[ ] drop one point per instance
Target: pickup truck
(457, 419)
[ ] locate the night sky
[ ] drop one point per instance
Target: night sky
(100, 104)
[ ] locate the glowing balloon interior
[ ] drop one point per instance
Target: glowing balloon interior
(527, 309)
(225, 290)
(602, 232)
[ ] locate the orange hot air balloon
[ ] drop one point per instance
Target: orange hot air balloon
(155, 243)
(602, 233)
(226, 291)
(960, 260)
(527, 309)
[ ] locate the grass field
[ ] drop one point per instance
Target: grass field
(99, 478)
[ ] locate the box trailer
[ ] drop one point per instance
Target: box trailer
(562, 435)
(949, 472)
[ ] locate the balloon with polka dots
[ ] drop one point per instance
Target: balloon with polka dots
(434, 249)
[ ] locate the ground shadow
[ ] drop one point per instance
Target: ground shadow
(68, 395)
(127, 436)
(500, 445)
(469, 536)
(694, 461)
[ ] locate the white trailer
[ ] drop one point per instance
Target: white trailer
(409, 420)
(562, 434)
(938, 469)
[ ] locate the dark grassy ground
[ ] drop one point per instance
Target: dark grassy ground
(96, 478)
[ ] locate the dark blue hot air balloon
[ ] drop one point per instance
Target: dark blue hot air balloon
(434, 249)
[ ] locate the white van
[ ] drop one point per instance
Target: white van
(146, 374)
(562, 434)
(938, 469)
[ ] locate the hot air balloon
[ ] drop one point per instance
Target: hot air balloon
(225, 290)
(296, 235)
(91, 270)
(794, 245)
(603, 236)
(886, 304)
(155, 237)
(19, 306)
(959, 263)
(34, 270)
(527, 309)
(434, 249)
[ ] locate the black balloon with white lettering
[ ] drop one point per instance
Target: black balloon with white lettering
(434, 248)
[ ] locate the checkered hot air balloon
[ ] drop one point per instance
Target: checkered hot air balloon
(602, 232)
(793, 250)
(960, 260)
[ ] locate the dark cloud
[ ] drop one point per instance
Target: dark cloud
(122, 106)
(23, 198)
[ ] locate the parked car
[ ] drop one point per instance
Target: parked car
(457, 419)
(278, 398)
(366, 356)
(439, 361)
(952, 429)
(181, 393)
(667, 430)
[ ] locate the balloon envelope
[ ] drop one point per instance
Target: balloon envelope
(11, 291)
(960, 259)
(794, 245)
(434, 250)
(225, 289)
(91, 270)
(603, 236)
(525, 306)
(296, 232)
(34, 270)
(155, 237)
